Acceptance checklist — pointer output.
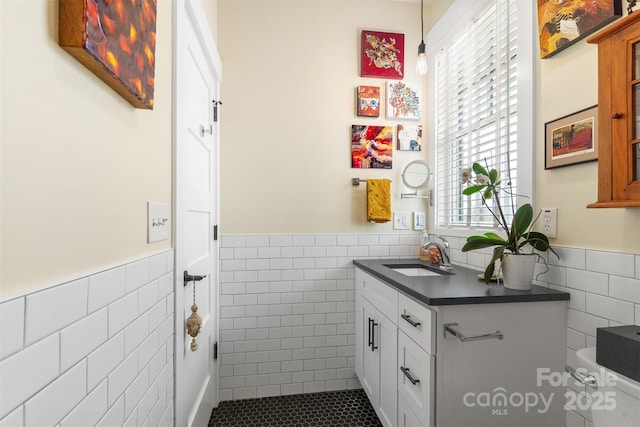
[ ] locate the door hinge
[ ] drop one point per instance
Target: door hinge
(215, 232)
(215, 109)
(215, 350)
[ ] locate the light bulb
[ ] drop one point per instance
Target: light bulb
(421, 66)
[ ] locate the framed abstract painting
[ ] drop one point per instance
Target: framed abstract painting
(403, 100)
(368, 101)
(381, 54)
(562, 23)
(410, 137)
(116, 40)
(371, 147)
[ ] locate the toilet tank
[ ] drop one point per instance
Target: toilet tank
(616, 400)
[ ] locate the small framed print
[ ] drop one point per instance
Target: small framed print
(403, 100)
(572, 139)
(381, 54)
(410, 137)
(368, 101)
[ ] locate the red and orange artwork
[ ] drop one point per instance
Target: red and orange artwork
(572, 139)
(382, 54)
(371, 147)
(116, 39)
(368, 101)
(562, 23)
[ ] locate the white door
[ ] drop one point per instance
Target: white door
(196, 91)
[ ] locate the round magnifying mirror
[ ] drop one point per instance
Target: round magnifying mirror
(416, 175)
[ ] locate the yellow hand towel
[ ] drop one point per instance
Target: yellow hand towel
(378, 200)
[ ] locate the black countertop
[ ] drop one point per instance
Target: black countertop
(461, 287)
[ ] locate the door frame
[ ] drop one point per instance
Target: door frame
(191, 12)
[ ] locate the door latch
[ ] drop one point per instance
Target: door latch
(189, 278)
(204, 130)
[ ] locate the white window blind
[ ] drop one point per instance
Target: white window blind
(477, 113)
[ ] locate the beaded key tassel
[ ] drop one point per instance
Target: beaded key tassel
(194, 322)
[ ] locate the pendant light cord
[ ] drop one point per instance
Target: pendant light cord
(421, 65)
(422, 20)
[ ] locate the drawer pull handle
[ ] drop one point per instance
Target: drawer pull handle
(449, 327)
(410, 320)
(406, 373)
(373, 335)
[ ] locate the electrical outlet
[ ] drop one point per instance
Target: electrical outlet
(419, 221)
(549, 222)
(401, 221)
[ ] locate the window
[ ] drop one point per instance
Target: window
(480, 110)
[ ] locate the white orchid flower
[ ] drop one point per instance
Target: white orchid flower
(465, 175)
(482, 179)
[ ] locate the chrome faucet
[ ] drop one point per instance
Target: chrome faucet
(444, 251)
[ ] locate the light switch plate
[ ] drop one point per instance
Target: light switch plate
(401, 221)
(157, 222)
(419, 221)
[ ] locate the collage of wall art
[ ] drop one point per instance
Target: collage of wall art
(382, 56)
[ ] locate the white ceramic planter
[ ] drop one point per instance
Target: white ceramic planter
(517, 271)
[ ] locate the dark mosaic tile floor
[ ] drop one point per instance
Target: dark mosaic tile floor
(347, 408)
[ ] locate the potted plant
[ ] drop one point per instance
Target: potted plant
(520, 239)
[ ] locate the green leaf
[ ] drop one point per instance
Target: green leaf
(492, 235)
(479, 242)
(472, 189)
(488, 193)
(491, 267)
(537, 240)
(522, 219)
(487, 236)
(488, 272)
(479, 170)
(493, 176)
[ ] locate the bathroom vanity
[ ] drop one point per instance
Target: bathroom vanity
(441, 348)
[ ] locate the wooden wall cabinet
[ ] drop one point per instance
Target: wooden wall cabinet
(619, 113)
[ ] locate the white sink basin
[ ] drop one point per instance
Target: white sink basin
(416, 271)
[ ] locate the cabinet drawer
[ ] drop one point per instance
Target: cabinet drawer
(416, 378)
(382, 296)
(406, 417)
(417, 321)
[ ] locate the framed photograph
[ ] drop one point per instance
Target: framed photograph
(368, 101)
(403, 100)
(572, 139)
(410, 137)
(371, 147)
(562, 23)
(381, 54)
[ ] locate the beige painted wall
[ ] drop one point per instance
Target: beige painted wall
(568, 83)
(78, 162)
(288, 92)
(285, 133)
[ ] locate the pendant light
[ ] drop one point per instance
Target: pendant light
(421, 66)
